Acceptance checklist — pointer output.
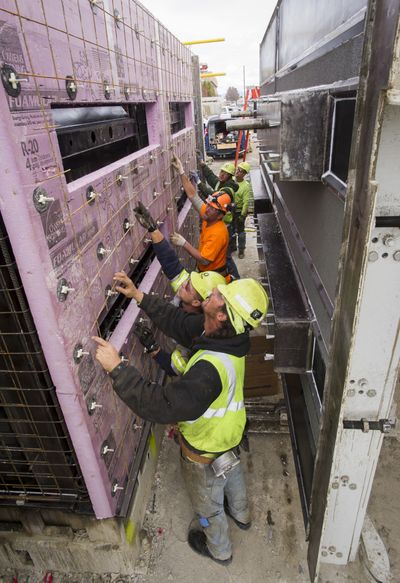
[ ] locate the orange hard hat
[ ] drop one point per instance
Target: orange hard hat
(220, 201)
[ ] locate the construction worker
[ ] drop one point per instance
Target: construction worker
(190, 289)
(242, 198)
(206, 402)
(214, 237)
(197, 286)
(224, 178)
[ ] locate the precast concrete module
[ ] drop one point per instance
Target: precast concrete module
(95, 97)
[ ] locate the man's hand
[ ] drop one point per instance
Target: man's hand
(194, 177)
(177, 239)
(146, 338)
(177, 164)
(127, 288)
(144, 217)
(106, 354)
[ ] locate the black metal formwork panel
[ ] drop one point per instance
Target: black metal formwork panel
(38, 466)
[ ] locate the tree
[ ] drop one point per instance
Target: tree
(208, 89)
(232, 94)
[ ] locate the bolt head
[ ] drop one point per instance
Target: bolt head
(373, 256)
(332, 549)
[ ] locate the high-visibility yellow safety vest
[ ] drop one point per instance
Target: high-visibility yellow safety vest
(221, 427)
(179, 280)
(179, 360)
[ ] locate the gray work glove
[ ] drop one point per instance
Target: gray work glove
(177, 164)
(145, 218)
(194, 177)
(177, 239)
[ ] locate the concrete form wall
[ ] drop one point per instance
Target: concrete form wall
(109, 53)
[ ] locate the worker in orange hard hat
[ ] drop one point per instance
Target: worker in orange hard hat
(214, 237)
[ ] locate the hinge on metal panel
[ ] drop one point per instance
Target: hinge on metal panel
(383, 425)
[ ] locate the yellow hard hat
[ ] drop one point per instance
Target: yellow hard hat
(228, 167)
(244, 166)
(206, 281)
(246, 301)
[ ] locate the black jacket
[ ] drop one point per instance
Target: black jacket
(187, 397)
(214, 182)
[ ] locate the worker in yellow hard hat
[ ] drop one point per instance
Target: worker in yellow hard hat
(214, 182)
(206, 403)
(242, 199)
(190, 289)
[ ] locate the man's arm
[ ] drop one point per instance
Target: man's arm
(185, 398)
(209, 175)
(169, 260)
(204, 189)
(163, 359)
(195, 253)
(174, 322)
(189, 188)
(246, 200)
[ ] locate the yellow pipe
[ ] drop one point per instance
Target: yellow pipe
(202, 42)
(204, 75)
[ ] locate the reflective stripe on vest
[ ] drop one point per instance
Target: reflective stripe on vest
(230, 369)
(179, 280)
(221, 426)
(178, 361)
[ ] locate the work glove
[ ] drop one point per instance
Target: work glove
(194, 177)
(177, 164)
(144, 217)
(146, 338)
(177, 239)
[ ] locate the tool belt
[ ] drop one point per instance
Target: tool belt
(194, 457)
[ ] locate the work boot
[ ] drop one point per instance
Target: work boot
(144, 217)
(241, 525)
(198, 542)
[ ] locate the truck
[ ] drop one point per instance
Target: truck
(219, 141)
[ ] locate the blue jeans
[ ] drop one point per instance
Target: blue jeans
(230, 264)
(207, 496)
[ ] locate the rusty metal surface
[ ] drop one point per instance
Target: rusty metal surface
(303, 130)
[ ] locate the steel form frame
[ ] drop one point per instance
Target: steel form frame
(365, 349)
